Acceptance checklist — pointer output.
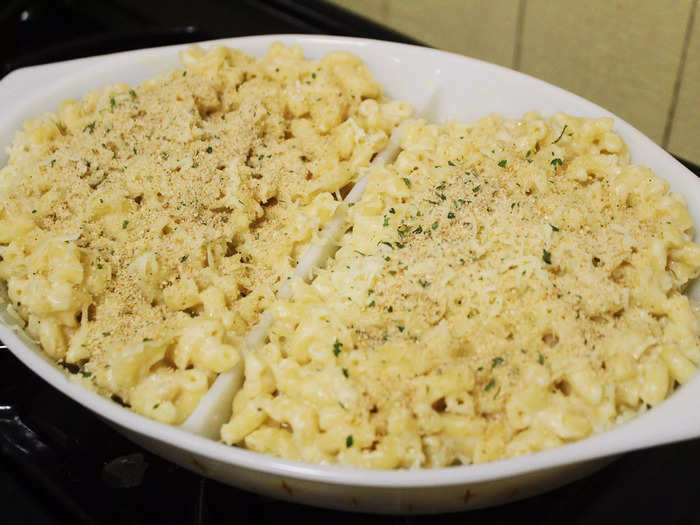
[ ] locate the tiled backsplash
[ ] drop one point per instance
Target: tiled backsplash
(638, 58)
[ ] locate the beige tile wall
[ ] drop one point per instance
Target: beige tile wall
(638, 58)
(485, 30)
(623, 55)
(374, 9)
(685, 130)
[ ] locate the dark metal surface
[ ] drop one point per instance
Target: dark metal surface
(40, 31)
(59, 463)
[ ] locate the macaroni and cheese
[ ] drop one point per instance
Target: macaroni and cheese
(506, 287)
(503, 287)
(143, 231)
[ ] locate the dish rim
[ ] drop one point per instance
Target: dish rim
(647, 429)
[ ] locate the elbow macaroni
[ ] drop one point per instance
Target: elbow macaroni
(507, 286)
(143, 231)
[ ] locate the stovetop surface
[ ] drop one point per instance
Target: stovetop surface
(59, 463)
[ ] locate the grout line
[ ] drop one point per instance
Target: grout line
(679, 77)
(519, 24)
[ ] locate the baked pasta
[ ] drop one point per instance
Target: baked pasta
(505, 287)
(143, 230)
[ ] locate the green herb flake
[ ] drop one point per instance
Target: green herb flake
(434, 225)
(554, 228)
(423, 283)
(132, 93)
(496, 361)
(540, 358)
(99, 266)
(502, 163)
(183, 258)
(345, 372)
(371, 303)
(399, 244)
(209, 149)
(401, 328)
(164, 155)
(418, 230)
(441, 186)
(450, 215)
(546, 256)
(112, 102)
(90, 127)
(386, 221)
(125, 224)
(53, 162)
(557, 162)
(528, 153)
(392, 210)
(561, 134)
(476, 189)
(337, 347)
(85, 373)
(450, 163)
(348, 441)
(596, 261)
(490, 385)
(105, 334)
(406, 181)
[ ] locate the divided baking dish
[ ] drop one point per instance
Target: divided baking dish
(468, 89)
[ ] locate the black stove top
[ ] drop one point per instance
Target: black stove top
(59, 463)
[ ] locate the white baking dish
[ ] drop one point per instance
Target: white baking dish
(468, 89)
